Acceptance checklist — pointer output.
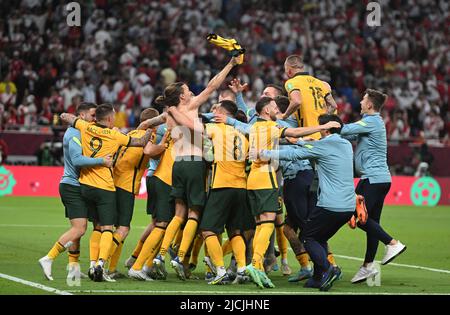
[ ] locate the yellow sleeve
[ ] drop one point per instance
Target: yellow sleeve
(281, 132)
(290, 86)
(209, 129)
(121, 138)
(80, 124)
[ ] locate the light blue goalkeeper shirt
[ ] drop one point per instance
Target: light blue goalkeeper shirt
(334, 163)
(153, 163)
(371, 148)
(73, 157)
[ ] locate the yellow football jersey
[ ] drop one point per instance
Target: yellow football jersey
(230, 152)
(130, 164)
(264, 135)
(313, 92)
(164, 169)
(99, 141)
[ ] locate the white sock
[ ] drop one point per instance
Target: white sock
(284, 261)
(92, 264)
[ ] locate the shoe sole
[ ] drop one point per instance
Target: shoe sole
(362, 280)
(392, 258)
(178, 271)
(48, 277)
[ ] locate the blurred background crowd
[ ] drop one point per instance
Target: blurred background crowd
(126, 52)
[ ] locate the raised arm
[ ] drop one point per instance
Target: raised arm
(306, 131)
(239, 125)
(214, 84)
(68, 118)
(356, 128)
(142, 141)
(153, 122)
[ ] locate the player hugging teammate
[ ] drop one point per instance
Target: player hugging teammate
(194, 200)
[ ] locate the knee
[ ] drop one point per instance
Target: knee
(206, 234)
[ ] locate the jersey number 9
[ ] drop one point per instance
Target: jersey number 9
(95, 145)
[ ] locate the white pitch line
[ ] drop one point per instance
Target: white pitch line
(250, 293)
(34, 285)
(398, 265)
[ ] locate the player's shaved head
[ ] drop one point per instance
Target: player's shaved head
(148, 113)
(295, 61)
(227, 94)
(103, 111)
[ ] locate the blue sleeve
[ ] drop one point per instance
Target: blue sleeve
(307, 151)
(283, 123)
(77, 158)
(160, 133)
(360, 127)
(241, 103)
(239, 125)
(208, 116)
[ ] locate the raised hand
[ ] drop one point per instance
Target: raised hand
(236, 86)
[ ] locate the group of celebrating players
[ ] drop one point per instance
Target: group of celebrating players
(231, 169)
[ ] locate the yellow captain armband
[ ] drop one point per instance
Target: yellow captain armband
(76, 140)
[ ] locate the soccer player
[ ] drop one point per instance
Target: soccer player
(309, 97)
(375, 182)
(227, 197)
(129, 166)
(162, 209)
(70, 192)
(262, 186)
(97, 184)
(189, 169)
(336, 198)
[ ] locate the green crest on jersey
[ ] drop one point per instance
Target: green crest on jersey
(425, 192)
(308, 146)
(7, 182)
(290, 86)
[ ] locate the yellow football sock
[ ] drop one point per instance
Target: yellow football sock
(189, 232)
(255, 236)
(57, 249)
(196, 249)
(282, 241)
(303, 259)
(94, 245)
(227, 248)
(215, 250)
(149, 262)
(171, 230)
(117, 239)
(262, 242)
(115, 258)
(238, 247)
(179, 236)
(331, 259)
(137, 249)
(74, 256)
(105, 245)
(150, 247)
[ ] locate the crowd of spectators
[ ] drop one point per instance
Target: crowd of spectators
(125, 52)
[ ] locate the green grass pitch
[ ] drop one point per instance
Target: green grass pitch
(31, 225)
